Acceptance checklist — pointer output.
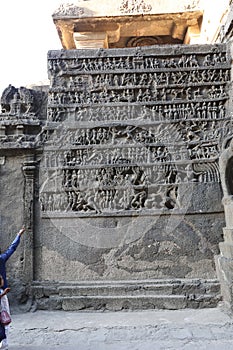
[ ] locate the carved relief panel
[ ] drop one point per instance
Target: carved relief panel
(137, 127)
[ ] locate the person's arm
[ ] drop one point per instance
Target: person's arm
(5, 291)
(11, 249)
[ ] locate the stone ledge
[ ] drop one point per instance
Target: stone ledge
(132, 295)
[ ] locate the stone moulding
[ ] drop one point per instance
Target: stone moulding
(127, 295)
(78, 9)
(165, 50)
(131, 213)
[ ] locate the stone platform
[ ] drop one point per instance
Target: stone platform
(127, 295)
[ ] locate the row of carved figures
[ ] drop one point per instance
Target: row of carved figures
(172, 112)
(105, 197)
(99, 201)
(133, 179)
(136, 95)
(158, 112)
(111, 177)
(142, 79)
(134, 6)
(126, 176)
(155, 172)
(143, 155)
(137, 155)
(187, 131)
(72, 65)
(129, 135)
(119, 155)
(110, 189)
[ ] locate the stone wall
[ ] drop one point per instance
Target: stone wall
(12, 207)
(129, 180)
(120, 179)
(129, 248)
(22, 112)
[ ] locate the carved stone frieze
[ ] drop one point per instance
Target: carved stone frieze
(152, 87)
(189, 62)
(139, 128)
(175, 111)
(104, 165)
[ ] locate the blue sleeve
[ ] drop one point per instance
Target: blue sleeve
(11, 249)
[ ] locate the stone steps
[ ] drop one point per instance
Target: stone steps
(121, 295)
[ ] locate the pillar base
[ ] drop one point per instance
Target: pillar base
(224, 267)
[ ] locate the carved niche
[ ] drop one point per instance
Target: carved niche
(22, 114)
(21, 102)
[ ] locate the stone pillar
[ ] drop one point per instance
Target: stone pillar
(224, 261)
(192, 36)
(29, 170)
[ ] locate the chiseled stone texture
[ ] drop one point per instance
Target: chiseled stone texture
(11, 211)
(167, 246)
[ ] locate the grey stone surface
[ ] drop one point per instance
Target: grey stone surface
(132, 188)
(148, 330)
(127, 295)
(147, 253)
(11, 219)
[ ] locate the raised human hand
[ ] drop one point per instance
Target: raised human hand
(6, 290)
(21, 231)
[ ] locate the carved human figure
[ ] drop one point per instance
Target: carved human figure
(27, 99)
(137, 201)
(155, 200)
(188, 92)
(171, 197)
(163, 94)
(207, 61)
(15, 105)
(215, 58)
(221, 109)
(182, 61)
